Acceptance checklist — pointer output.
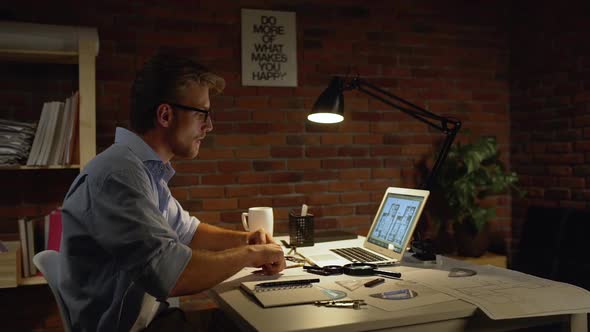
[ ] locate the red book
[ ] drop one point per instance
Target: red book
(54, 238)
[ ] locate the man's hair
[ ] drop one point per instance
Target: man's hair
(162, 79)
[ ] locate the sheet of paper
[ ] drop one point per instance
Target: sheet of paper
(503, 293)
(425, 296)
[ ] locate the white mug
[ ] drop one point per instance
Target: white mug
(258, 217)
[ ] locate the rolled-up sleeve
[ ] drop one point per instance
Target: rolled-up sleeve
(126, 222)
(181, 221)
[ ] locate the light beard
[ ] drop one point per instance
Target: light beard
(182, 148)
(186, 151)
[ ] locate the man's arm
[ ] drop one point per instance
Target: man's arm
(208, 268)
(216, 238)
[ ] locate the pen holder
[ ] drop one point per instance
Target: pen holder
(300, 230)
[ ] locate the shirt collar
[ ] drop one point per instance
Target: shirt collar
(147, 155)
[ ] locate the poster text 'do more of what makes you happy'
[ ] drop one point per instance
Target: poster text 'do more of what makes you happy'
(269, 49)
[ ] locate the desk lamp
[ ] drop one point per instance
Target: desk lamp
(329, 108)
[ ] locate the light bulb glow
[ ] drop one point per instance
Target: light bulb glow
(325, 118)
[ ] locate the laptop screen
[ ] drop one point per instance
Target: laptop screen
(395, 221)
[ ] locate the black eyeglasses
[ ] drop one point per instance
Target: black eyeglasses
(189, 108)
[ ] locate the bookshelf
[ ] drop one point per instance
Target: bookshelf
(41, 43)
(31, 43)
(24, 167)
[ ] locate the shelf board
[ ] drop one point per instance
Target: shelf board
(24, 168)
(27, 56)
(30, 281)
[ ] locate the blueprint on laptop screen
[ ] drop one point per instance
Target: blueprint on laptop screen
(395, 220)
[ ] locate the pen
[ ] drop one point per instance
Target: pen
(261, 271)
(374, 282)
(287, 283)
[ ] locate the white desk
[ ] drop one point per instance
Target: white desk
(456, 315)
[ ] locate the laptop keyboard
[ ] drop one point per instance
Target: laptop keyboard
(357, 254)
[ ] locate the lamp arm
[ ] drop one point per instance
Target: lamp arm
(416, 115)
(411, 108)
(442, 156)
(449, 127)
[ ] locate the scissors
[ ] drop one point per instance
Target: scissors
(352, 269)
(291, 255)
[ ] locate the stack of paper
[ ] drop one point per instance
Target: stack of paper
(505, 294)
(15, 141)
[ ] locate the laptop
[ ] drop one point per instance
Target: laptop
(389, 234)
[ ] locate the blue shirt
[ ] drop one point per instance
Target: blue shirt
(123, 235)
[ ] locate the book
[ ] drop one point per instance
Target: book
(22, 231)
(39, 231)
(59, 141)
(31, 239)
(54, 141)
(72, 129)
(30, 227)
(55, 226)
(285, 291)
(39, 134)
(49, 145)
(46, 230)
(48, 128)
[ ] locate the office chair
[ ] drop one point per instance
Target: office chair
(540, 240)
(574, 260)
(47, 262)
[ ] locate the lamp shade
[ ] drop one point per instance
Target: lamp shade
(329, 107)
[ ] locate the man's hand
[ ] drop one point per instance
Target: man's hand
(259, 236)
(269, 257)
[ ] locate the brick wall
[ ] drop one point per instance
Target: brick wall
(550, 104)
(451, 58)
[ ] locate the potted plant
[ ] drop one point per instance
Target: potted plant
(471, 172)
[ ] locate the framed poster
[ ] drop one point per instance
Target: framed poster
(269, 48)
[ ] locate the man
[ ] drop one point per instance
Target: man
(126, 241)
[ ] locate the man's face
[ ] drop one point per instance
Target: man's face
(189, 128)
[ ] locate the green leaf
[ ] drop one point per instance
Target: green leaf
(472, 172)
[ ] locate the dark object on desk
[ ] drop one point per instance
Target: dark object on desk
(398, 294)
(298, 282)
(301, 230)
(458, 272)
(423, 250)
(353, 269)
(334, 235)
(354, 304)
(324, 271)
(374, 282)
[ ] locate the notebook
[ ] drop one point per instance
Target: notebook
(280, 295)
(389, 234)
